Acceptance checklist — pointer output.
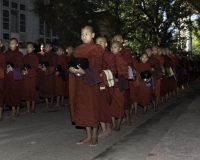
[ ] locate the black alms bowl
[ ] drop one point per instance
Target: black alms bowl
(82, 62)
(145, 74)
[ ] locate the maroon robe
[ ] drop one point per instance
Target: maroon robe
(106, 95)
(68, 59)
(117, 105)
(46, 79)
(84, 98)
(13, 79)
(29, 91)
(2, 80)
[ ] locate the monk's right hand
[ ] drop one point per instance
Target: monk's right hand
(39, 66)
(72, 70)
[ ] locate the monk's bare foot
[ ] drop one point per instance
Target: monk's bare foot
(123, 121)
(46, 107)
(25, 112)
(135, 116)
(128, 124)
(16, 115)
(57, 105)
(1, 118)
(33, 112)
(101, 134)
(117, 129)
(106, 134)
(113, 128)
(11, 116)
(94, 142)
(84, 141)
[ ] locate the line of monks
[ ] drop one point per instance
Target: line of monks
(108, 92)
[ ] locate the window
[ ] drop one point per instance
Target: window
(22, 7)
(6, 36)
(6, 20)
(22, 22)
(41, 27)
(47, 31)
(6, 3)
(14, 5)
(14, 21)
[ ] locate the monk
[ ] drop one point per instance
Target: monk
(2, 82)
(154, 64)
(46, 75)
(121, 84)
(106, 93)
(69, 57)
(60, 73)
(126, 54)
(14, 60)
(29, 73)
(145, 86)
(84, 90)
(157, 52)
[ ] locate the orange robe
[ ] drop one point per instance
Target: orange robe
(29, 91)
(84, 99)
(134, 86)
(13, 79)
(2, 71)
(106, 94)
(117, 106)
(46, 79)
(68, 58)
(144, 91)
(158, 81)
(126, 54)
(60, 81)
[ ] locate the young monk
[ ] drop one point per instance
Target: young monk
(84, 90)
(69, 57)
(46, 75)
(60, 77)
(126, 54)
(14, 60)
(106, 93)
(2, 71)
(121, 84)
(154, 64)
(29, 78)
(144, 89)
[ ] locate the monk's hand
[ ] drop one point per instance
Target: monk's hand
(152, 69)
(9, 69)
(149, 80)
(57, 73)
(25, 71)
(43, 68)
(72, 70)
(39, 66)
(116, 79)
(101, 75)
(80, 70)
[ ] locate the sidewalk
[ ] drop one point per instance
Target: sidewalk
(182, 141)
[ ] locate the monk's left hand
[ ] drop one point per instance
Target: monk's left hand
(149, 80)
(80, 70)
(43, 68)
(9, 69)
(72, 70)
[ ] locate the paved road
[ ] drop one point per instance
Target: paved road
(50, 135)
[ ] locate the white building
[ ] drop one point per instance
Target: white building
(19, 21)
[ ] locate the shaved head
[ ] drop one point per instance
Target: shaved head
(116, 43)
(88, 28)
(118, 38)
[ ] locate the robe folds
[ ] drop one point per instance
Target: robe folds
(134, 85)
(155, 64)
(68, 58)
(144, 91)
(46, 79)
(29, 80)
(60, 84)
(126, 54)
(84, 99)
(106, 95)
(117, 105)
(158, 81)
(2, 80)
(13, 79)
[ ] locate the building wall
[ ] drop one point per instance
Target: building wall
(31, 23)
